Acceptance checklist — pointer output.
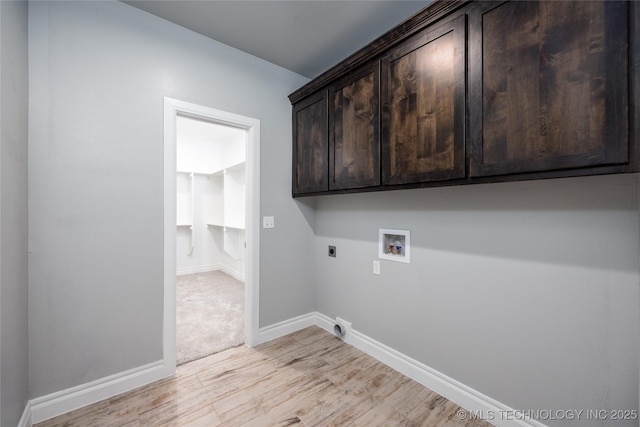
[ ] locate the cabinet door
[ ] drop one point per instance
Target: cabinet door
(310, 145)
(423, 95)
(548, 85)
(354, 148)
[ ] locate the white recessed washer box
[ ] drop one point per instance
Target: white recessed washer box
(394, 245)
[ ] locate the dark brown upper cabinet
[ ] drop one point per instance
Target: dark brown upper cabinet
(310, 145)
(354, 130)
(471, 92)
(423, 113)
(549, 85)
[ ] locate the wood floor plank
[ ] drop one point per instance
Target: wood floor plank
(181, 407)
(199, 365)
(282, 383)
(209, 419)
(308, 378)
(278, 408)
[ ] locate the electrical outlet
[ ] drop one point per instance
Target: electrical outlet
(332, 251)
(268, 222)
(376, 267)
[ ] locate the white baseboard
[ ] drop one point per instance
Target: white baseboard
(198, 269)
(46, 407)
(233, 273)
(58, 403)
(286, 327)
(212, 267)
(472, 400)
(25, 420)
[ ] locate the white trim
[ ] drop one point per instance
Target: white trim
(198, 269)
(211, 267)
(286, 327)
(46, 407)
(326, 323)
(172, 108)
(169, 282)
(25, 420)
(61, 402)
(467, 397)
(233, 273)
(252, 233)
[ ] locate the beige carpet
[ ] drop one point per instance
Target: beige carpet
(210, 315)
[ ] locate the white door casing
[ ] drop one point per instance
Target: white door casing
(173, 108)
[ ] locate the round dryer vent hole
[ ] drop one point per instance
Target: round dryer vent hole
(338, 331)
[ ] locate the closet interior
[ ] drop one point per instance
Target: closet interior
(210, 197)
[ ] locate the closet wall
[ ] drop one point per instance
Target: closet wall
(210, 198)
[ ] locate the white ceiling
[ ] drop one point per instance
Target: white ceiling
(304, 36)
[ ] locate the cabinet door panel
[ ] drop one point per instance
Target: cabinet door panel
(310, 147)
(551, 86)
(423, 84)
(354, 159)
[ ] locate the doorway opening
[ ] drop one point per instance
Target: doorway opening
(211, 176)
(210, 215)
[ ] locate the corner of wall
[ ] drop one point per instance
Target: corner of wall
(478, 404)
(14, 97)
(26, 420)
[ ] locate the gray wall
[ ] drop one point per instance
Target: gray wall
(98, 75)
(13, 211)
(527, 292)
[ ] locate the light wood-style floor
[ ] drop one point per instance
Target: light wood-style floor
(309, 378)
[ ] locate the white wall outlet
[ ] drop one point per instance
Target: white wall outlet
(268, 222)
(376, 267)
